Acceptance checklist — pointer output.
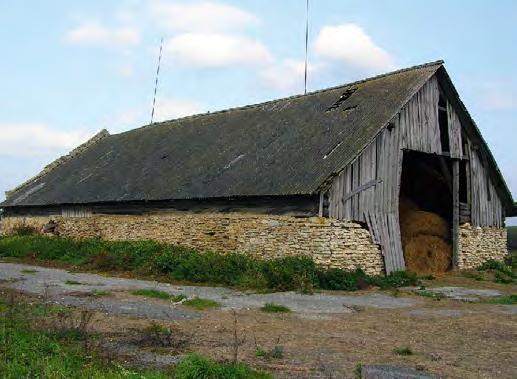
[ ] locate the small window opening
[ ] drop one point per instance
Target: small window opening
(444, 124)
(349, 92)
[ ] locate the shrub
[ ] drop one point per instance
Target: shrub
(288, 273)
(24, 230)
(502, 272)
(336, 279)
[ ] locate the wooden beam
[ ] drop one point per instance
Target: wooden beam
(455, 212)
(361, 188)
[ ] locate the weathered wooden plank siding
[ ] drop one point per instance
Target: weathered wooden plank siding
(352, 196)
(418, 121)
(376, 174)
(455, 142)
(416, 127)
(486, 206)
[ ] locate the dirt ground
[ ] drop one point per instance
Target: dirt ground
(452, 338)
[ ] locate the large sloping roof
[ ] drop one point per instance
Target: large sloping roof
(283, 147)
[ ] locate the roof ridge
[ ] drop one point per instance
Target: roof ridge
(59, 161)
(267, 102)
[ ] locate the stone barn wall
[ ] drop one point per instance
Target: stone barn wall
(331, 243)
(477, 245)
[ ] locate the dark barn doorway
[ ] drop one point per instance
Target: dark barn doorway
(425, 212)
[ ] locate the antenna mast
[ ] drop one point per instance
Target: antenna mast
(156, 80)
(306, 45)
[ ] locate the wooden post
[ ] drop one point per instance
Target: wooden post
(455, 211)
(320, 212)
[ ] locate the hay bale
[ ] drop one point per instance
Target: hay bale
(416, 223)
(426, 254)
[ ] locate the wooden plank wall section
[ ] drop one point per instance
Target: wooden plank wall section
(418, 120)
(455, 142)
(416, 127)
(367, 190)
(486, 206)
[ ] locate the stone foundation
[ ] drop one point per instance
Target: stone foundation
(331, 243)
(477, 245)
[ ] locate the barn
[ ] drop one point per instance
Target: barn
(384, 174)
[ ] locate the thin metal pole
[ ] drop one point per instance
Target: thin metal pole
(156, 80)
(306, 45)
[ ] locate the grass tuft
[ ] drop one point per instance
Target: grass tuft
(29, 271)
(195, 366)
(405, 351)
(201, 304)
(73, 282)
(505, 300)
(157, 294)
(275, 308)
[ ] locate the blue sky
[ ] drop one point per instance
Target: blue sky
(70, 69)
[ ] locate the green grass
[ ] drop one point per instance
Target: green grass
(98, 293)
(195, 366)
(29, 271)
(431, 294)
(201, 304)
(275, 308)
(506, 300)
(73, 283)
(501, 272)
(276, 352)
(405, 351)
(157, 294)
(30, 353)
(148, 258)
(27, 352)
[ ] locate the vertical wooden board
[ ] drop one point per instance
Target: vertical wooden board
(454, 125)
(455, 211)
(396, 245)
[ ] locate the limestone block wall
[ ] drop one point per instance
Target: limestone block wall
(477, 245)
(331, 243)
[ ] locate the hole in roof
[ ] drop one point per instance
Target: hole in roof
(344, 97)
(349, 109)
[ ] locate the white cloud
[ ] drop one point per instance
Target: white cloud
(93, 33)
(287, 75)
(499, 97)
(200, 16)
(36, 139)
(169, 109)
(125, 69)
(217, 50)
(350, 44)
